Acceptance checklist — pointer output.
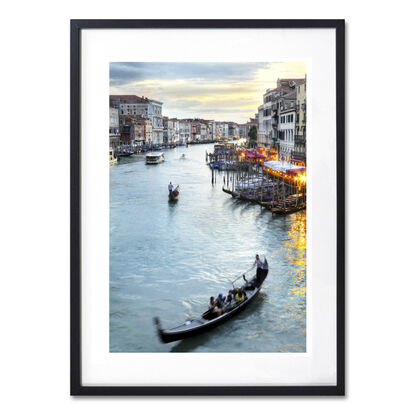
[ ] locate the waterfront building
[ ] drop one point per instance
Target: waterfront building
(145, 129)
(242, 130)
(171, 131)
(286, 125)
(136, 129)
(194, 127)
(147, 108)
(214, 132)
(232, 130)
(299, 154)
(223, 130)
(284, 116)
(167, 130)
(114, 125)
(265, 118)
(114, 128)
(176, 130)
(199, 130)
(184, 130)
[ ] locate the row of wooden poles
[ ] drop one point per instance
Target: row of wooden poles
(251, 182)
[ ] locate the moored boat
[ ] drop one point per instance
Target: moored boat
(154, 158)
(113, 159)
(209, 319)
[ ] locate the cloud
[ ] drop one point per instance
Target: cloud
(127, 72)
(205, 90)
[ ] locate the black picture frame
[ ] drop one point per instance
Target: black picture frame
(76, 27)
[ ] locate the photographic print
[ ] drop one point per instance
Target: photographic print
(208, 203)
(208, 231)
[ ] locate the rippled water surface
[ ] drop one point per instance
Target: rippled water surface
(167, 259)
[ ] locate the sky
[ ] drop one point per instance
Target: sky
(230, 91)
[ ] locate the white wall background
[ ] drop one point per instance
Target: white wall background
(34, 228)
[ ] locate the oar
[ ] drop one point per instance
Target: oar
(242, 275)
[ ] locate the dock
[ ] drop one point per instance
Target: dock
(276, 186)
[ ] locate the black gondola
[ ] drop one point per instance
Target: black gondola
(174, 194)
(208, 320)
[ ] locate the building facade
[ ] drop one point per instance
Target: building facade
(299, 154)
(222, 130)
(114, 125)
(114, 128)
(265, 119)
(185, 130)
(147, 108)
(284, 117)
(287, 120)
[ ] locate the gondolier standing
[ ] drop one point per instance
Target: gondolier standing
(170, 188)
(259, 265)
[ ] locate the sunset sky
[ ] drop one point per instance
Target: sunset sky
(221, 91)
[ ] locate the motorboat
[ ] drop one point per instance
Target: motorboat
(154, 158)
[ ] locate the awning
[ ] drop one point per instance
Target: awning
(252, 155)
(284, 167)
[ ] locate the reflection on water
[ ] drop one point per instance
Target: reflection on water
(296, 253)
(166, 259)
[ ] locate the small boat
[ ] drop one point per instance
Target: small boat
(125, 153)
(209, 320)
(113, 159)
(174, 195)
(154, 158)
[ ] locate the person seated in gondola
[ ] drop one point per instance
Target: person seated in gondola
(239, 296)
(219, 305)
(212, 303)
(230, 301)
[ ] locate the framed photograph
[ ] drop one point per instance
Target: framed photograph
(207, 207)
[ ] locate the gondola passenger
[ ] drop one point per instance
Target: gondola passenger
(212, 303)
(219, 305)
(239, 296)
(230, 301)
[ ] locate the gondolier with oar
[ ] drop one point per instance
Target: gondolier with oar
(259, 266)
(170, 188)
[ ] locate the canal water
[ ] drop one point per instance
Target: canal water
(167, 259)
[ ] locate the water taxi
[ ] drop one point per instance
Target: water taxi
(154, 158)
